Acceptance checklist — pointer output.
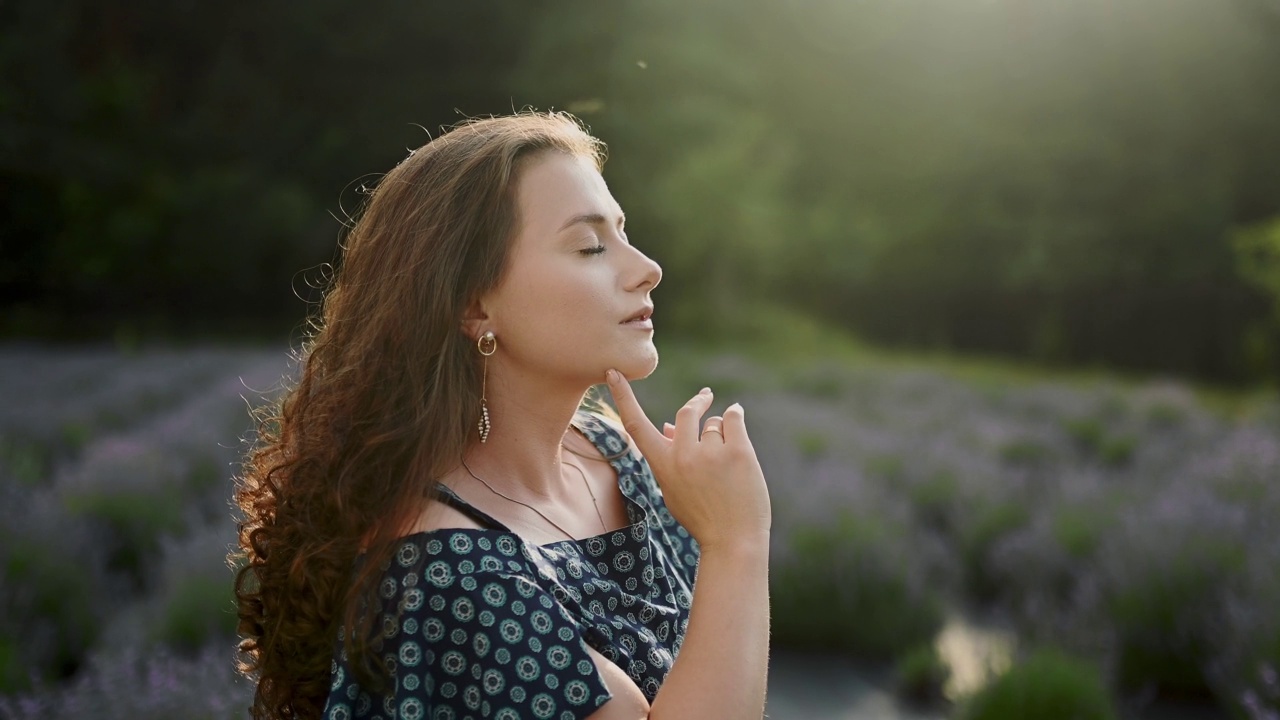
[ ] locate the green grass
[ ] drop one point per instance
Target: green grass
(1047, 686)
(789, 342)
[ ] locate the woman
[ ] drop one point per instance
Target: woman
(436, 526)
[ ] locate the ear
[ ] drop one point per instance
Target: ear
(475, 320)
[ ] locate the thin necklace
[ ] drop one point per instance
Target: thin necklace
(594, 502)
(544, 517)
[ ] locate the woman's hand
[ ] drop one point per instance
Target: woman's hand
(709, 474)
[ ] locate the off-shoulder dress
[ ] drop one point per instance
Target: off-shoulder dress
(479, 623)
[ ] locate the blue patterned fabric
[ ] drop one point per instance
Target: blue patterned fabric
(478, 623)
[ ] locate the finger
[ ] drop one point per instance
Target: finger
(634, 421)
(688, 417)
(669, 430)
(713, 430)
(735, 425)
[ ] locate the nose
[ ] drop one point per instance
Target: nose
(647, 273)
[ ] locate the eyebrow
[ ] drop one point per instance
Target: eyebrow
(590, 219)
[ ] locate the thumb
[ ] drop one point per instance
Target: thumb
(647, 437)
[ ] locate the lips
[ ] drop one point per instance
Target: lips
(641, 314)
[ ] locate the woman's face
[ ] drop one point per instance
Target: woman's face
(573, 280)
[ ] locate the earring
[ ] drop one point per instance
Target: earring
(486, 341)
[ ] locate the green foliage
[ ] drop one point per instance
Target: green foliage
(23, 461)
(1093, 439)
(1117, 450)
(1257, 252)
(1160, 613)
(49, 614)
(75, 435)
(729, 247)
(921, 673)
(1026, 451)
(1079, 529)
(920, 206)
(934, 498)
(164, 164)
(205, 475)
(986, 526)
(955, 177)
(1048, 686)
(843, 589)
(812, 444)
(885, 466)
(1246, 491)
(195, 610)
(774, 331)
(1257, 249)
(135, 518)
(194, 602)
(815, 383)
(11, 668)
(1088, 433)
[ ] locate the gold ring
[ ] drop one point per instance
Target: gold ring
(714, 430)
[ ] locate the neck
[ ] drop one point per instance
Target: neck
(529, 418)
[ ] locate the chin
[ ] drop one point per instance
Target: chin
(639, 368)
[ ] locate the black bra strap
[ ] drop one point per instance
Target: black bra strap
(450, 498)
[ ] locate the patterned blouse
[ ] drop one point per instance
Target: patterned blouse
(479, 623)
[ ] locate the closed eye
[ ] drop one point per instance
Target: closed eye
(593, 251)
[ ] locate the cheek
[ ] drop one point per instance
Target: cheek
(559, 306)
(541, 295)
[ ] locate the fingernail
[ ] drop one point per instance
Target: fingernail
(705, 391)
(611, 376)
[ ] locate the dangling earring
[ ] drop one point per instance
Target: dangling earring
(486, 340)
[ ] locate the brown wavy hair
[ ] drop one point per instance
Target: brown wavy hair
(386, 400)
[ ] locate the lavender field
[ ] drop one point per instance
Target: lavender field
(1128, 528)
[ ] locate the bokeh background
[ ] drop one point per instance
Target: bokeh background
(997, 280)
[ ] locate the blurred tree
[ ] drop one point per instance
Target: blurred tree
(699, 166)
(1258, 253)
(1257, 250)
(170, 163)
(1265, 11)
(1055, 181)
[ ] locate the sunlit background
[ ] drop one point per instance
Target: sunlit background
(998, 282)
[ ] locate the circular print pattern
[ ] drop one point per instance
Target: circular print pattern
(477, 622)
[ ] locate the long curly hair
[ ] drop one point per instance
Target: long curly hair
(386, 400)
